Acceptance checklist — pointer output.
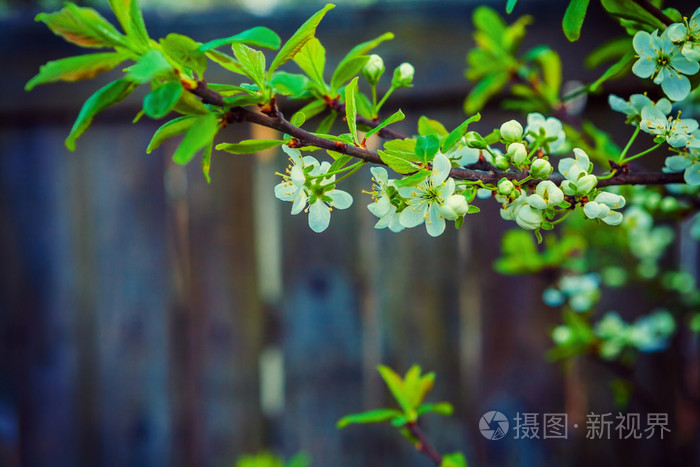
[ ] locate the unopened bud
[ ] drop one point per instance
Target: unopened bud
(403, 76)
(374, 69)
(512, 131)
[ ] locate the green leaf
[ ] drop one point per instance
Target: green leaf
(249, 146)
(82, 26)
(371, 416)
(76, 68)
(206, 162)
(199, 135)
(190, 104)
(427, 147)
(454, 460)
(299, 38)
(174, 127)
(397, 163)
(128, 13)
(442, 408)
(301, 459)
(226, 61)
(362, 49)
(412, 180)
(487, 20)
(695, 323)
(162, 99)
(617, 70)
(405, 148)
(631, 10)
(550, 63)
(364, 106)
(327, 123)
(252, 61)
(313, 108)
(346, 71)
(573, 19)
(396, 386)
(427, 126)
(290, 84)
(351, 108)
(486, 88)
(396, 117)
(611, 50)
(510, 5)
(298, 119)
(312, 59)
(456, 135)
(340, 161)
(185, 51)
(152, 64)
(258, 36)
(114, 92)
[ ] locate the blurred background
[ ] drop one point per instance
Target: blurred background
(149, 318)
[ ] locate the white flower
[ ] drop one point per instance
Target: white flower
(423, 202)
(382, 206)
(602, 208)
(633, 107)
(304, 183)
(679, 132)
(688, 36)
(550, 127)
(578, 180)
(546, 195)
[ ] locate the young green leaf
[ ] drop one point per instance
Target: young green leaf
(614, 49)
(152, 64)
(442, 408)
(185, 51)
(405, 148)
(298, 39)
(346, 71)
(617, 70)
(339, 162)
(259, 36)
(364, 48)
(76, 68)
(174, 127)
(199, 135)
(206, 162)
(128, 13)
(249, 146)
(312, 59)
(290, 84)
(162, 99)
(427, 126)
(397, 163)
(312, 109)
(427, 147)
(484, 90)
(396, 117)
(456, 135)
(351, 108)
(189, 104)
(454, 460)
(82, 26)
(327, 123)
(371, 416)
(395, 384)
(573, 19)
(252, 61)
(510, 5)
(631, 10)
(108, 95)
(226, 61)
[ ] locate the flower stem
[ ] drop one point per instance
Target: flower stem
(355, 167)
(562, 218)
(381, 102)
(643, 153)
(629, 143)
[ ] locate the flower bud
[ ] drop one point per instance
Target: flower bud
(505, 187)
(475, 140)
(528, 217)
(374, 69)
(454, 207)
(403, 76)
(585, 184)
(517, 153)
(541, 168)
(501, 162)
(512, 131)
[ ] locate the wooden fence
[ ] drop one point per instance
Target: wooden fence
(149, 318)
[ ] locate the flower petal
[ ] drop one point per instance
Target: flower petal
(319, 216)
(435, 224)
(412, 216)
(340, 199)
(677, 87)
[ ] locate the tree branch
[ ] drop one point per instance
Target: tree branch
(424, 445)
(277, 122)
(654, 10)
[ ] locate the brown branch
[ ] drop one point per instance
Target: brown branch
(277, 122)
(423, 444)
(655, 11)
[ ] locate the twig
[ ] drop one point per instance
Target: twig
(305, 139)
(654, 10)
(423, 444)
